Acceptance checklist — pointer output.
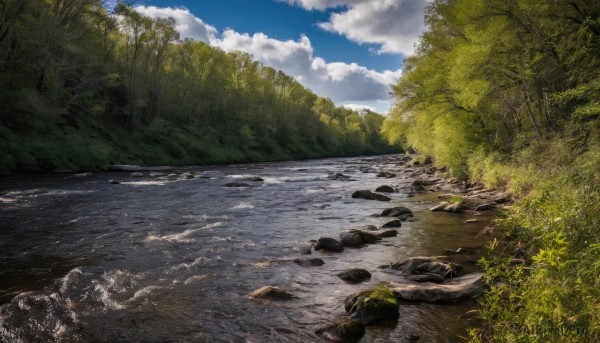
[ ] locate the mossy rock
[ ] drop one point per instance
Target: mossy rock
(345, 330)
(373, 305)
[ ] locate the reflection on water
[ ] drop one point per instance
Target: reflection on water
(171, 259)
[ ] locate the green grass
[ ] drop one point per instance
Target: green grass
(456, 200)
(555, 227)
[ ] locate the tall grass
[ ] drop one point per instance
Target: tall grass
(555, 229)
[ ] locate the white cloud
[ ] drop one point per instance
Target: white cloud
(342, 82)
(339, 81)
(394, 25)
(359, 108)
(188, 25)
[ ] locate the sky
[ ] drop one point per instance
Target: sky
(348, 50)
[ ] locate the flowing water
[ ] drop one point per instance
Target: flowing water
(170, 259)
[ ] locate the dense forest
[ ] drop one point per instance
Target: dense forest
(507, 92)
(81, 88)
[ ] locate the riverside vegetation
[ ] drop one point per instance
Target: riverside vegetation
(507, 93)
(81, 88)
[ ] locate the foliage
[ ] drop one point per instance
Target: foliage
(81, 88)
(556, 297)
(507, 92)
(495, 76)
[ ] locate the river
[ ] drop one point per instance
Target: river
(171, 259)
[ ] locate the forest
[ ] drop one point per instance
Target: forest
(507, 93)
(81, 88)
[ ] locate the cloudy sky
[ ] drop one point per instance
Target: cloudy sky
(347, 50)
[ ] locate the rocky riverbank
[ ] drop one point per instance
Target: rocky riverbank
(432, 279)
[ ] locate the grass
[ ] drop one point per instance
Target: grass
(555, 228)
(456, 200)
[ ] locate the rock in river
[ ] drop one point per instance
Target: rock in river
(486, 207)
(368, 195)
(236, 184)
(393, 223)
(385, 189)
(304, 248)
(345, 330)
(427, 265)
(339, 177)
(271, 293)
(386, 233)
(426, 278)
(447, 207)
(376, 304)
(386, 175)
(309, 262)
(357, 238)
(329, 244)
(459, 288)
(396, 212)
(354, 275)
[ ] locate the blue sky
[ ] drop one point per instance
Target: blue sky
(347, 50)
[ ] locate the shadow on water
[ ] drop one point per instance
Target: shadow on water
(166, 258)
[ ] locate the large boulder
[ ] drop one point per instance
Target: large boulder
(459, 288)
(328, 244)
(271, 293)
(345, 330)
(368, 195)
(376, 304)
(354, 275)
(396, 212)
